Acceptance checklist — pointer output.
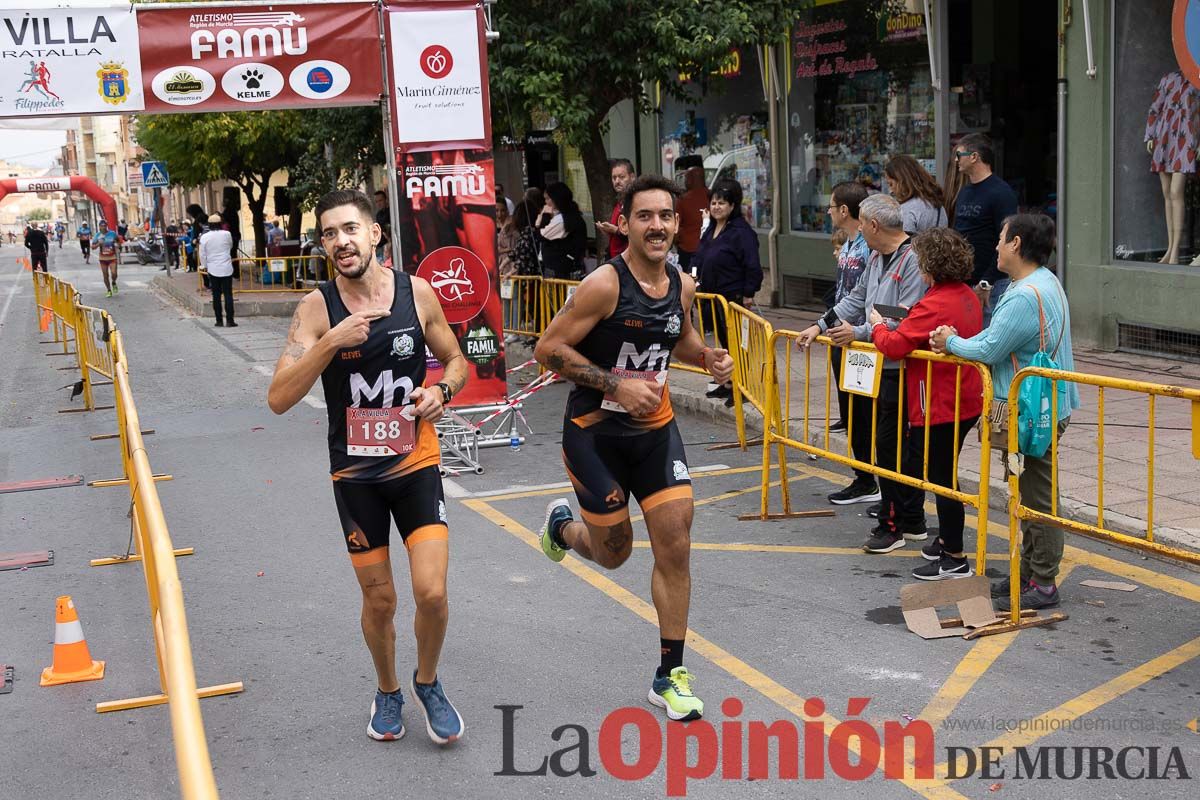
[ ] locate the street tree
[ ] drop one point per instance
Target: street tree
(38, 215)
(246, 148)
(342, 147)
(574, 62)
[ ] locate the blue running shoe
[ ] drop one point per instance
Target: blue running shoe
(386, 710)
(442, 720)
(558, 513)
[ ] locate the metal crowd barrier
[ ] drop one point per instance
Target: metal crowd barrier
(780, 419)
(1151, 391)
(521, 300)
(555, 293)
(275, 273)
(750, 345)
(100, 348)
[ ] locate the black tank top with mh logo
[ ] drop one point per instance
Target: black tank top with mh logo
(635, 341)
(379, 373)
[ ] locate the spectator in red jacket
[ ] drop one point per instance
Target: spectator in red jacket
(946, 260)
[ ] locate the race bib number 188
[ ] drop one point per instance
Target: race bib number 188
(380, 431)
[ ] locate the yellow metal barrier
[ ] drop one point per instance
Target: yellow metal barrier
(521, 299)
(781, 417)
(275, 273)
(555, 293)
(753, 366)
(62, 304)
(1019, 512)
(710, 318)
(100, 348)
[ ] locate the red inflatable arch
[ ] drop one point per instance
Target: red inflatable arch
(76, 183)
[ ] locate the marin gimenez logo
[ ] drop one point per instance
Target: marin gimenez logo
(632, 743)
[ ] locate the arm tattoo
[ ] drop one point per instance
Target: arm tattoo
(455, 382)
(585, 374)
(295, 351)
(566, 307)
(619, 537)
(295, 326)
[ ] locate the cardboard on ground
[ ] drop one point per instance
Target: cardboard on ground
(919, 603)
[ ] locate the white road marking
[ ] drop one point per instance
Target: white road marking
(263, 369)
(8, 301)
(453, 488)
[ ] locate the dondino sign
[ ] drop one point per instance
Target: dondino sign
(247, 57)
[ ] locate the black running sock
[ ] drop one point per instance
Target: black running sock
(672, 656)
(556, 533)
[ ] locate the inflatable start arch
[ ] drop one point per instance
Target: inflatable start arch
(76, 183)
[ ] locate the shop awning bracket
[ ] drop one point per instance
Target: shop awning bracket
(934, 80)
(1087, 36)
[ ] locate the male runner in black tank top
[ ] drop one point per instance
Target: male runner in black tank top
(614, 338)
(364, 335)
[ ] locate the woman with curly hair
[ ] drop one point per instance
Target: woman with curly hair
(922, 203)
(946, 261)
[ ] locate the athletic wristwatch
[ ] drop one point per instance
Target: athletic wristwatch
(446, 393)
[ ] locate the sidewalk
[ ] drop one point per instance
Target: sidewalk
(185, 289)
(1126, 435)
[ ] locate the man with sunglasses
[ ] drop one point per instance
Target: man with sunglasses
(980, 209)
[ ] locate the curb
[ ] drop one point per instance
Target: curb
(201, 305)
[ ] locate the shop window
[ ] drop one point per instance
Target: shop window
(1156, 137)
(859, 93)
(722, 126)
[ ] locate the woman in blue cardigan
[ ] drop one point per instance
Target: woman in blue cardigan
(727, 261)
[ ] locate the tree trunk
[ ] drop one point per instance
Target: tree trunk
(296, 217)
(599, 179)
(257, 200)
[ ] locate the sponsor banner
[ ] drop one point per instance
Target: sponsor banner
(60, 184)
(437, 61)
(254, 58)
(63, 61)
(448, 237)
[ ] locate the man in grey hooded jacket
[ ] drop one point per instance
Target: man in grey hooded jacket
(893, 278)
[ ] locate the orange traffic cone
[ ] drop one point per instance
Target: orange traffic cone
(72, 661)
(44, 318)
(24, 262)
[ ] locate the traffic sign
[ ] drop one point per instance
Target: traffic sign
(154, 175)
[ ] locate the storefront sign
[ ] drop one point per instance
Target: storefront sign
(818, 48)
(1185, 37)
(250, 58)
(61, 61)
(902, 26)
(730, 67)
(437, 65)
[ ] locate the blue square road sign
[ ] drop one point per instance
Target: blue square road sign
(154, 175)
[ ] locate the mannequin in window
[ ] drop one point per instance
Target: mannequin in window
(1172, 134)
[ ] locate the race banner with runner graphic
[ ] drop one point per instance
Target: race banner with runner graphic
(255, 58)
(67, 62)
(448, 237)
(445, 172)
